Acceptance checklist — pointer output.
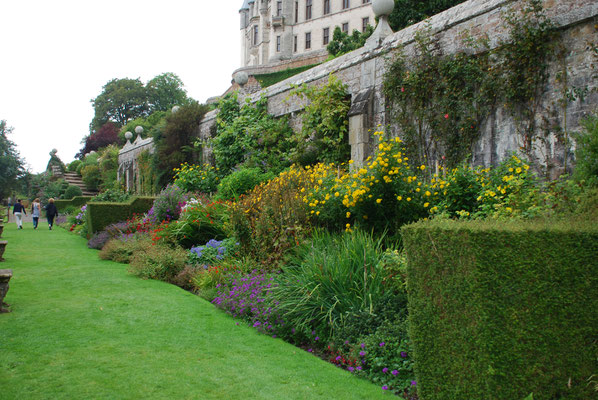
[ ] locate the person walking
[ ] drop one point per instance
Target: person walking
(18, 212)
(36, 208)
(51, 212)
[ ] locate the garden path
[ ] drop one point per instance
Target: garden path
(83, 328)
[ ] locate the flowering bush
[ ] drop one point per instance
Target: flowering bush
(112, 195)
(195, 178)
(271, 218)
(241, 182)
(167, 205)
(213, 252)
(384, 194)
(122, 249)
(160, 262)
(198, 222)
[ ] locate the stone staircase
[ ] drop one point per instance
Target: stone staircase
(74, 179)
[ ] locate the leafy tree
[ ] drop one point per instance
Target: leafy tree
(154, 120)
(11, 164)
(174, 143)
(105, 136)
(164, 91)
(342, 43)
(409, 12)
(120, 101)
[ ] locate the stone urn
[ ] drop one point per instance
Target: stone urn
(383, 7)
(3, 244)
(5, 275)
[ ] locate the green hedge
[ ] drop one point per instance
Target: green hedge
(102, 214)
(77, 201)
(270, 79)
(500, 310)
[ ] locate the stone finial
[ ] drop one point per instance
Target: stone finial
(175, 109)
(241, 78)
(382, 9)
(139, 129)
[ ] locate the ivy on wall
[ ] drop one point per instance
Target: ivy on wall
(441, 101)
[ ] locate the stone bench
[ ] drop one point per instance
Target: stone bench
(5, 275)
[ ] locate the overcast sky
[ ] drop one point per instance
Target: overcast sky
(56, 56)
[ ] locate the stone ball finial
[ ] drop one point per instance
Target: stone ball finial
(128, 135)
(53, 152)
(241, 78)
(139, 129)
(175, 109)
(383, 7)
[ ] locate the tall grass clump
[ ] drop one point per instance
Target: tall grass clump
(330, 277)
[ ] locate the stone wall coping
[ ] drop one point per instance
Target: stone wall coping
(5, 273)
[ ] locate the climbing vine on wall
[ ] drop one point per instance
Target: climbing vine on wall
(440, 101)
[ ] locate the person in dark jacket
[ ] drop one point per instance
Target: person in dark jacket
(18, 212)
(51, 212)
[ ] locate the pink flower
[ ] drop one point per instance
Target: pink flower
(446, 116)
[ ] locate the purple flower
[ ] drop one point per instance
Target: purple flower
(385, 370)
(395, 372)
(359, 368)
(384, 387)
(346, 342)
(382, 344)
(351, 369)
(363, 345)
(403, 354)
(309, 350)
(362, 353)
(338, 358)
(317, 338)
(413, 383)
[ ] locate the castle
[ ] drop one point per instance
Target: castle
(275, 31)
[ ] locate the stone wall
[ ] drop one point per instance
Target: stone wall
(363, 72)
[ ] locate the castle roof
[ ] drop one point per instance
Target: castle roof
(246, 4)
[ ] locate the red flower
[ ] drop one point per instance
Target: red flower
(446, 116)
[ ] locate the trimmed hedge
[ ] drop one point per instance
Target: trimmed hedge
(102, 214)
(77, 201)
(501, 310)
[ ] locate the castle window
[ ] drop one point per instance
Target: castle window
(326, 7)
(364, 23)
(308, 9)
(295, 42)
(346, 4)
(296, 11)
(255, 35)
(308, 40)
(278, 8)
(345, 27)
(326, 37)
(366, 1)
(278, 40)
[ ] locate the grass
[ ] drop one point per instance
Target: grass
(82, 328)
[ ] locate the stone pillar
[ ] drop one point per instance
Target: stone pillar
(360, 123)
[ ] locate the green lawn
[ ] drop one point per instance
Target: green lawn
(82, 328)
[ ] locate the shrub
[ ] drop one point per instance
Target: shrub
(160, 262)
(241, 182)
(185, 278)
(112, 196)
(197, 223)
(194, 178)
(100, 215)
(167, 205)
(74, 165)
(122, 249)
(342, 43)
(272, 218)
(330, 277)
(499, 310)
(72, 191)
(586, 151)
(91, 176)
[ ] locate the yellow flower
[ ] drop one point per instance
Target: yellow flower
(399, 198)
(378, 201)
(518, 170)
(318, 213)
(426, 205)
(428, 193)
(408, 198)
(351, 161)
(422, 167)
(348, 226)
(365, 217)
(348, 214)
(337, 194)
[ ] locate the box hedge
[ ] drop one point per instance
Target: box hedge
(102, 214)
(501, 310)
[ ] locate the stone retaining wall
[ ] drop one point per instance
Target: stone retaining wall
(363, 69)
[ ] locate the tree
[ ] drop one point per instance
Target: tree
(11, 164)
(343, 43)
(409, 12)
(105, 136)
(120, 101)
(174, 143)
(165, 91)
